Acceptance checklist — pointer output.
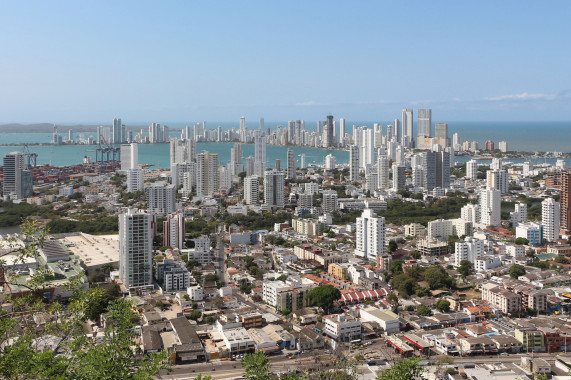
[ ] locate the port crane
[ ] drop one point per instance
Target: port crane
(31, 157)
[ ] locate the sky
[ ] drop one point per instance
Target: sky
(144, 61)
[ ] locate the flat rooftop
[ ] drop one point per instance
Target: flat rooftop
(94, 250)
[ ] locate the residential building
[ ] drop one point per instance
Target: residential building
(519, 215)
(506, 301)
(200, 252)
(550, 219)
(173, 230)
(490, 207)
(354, 166)
(274, 182)
(470, 249)
(532, 339)
(160, 198)
(329, 201)
(135, 249)
(252, 190)
(207, 181)
(342, 327)
(472, 170)
(259, 153)
(424, 123)
(172, 276)
(533, 232)
(291, 166)
(442, 229)
(370, 235)
(399, 177)
(330, 162)
(414, 230)
(17, 180)
(383, 172)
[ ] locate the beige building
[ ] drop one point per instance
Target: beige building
(508, 302)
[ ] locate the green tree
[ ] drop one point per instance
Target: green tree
(396, 266)
(256, 366)
(541, 265)
(195, 315)
(393, 246)
(407, 369)
(283, 277)
(437, 277)
(443, 306)
(423, 311)
(521, 240)
(517, 270)
(416, 255)
(404, 284)
(466, 268)
(323, 296)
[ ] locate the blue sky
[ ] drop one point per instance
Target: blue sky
(74, 61)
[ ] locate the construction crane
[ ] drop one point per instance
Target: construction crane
(31, 158)
(106, 153)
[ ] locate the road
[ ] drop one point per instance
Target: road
(219, 259)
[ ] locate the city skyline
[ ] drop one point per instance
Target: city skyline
(76, 62)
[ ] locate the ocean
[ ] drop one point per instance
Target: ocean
(521, 136)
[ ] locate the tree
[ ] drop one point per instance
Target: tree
(541, 265)
(437, 277)
(416, 255)
(245, 288)
(404, 284)
(393, 246)
(407, 369)
(256, 366)
(443, 306)
(466, 268)
(323, 296)
(423, 311)
(521, 240)
(195, 315)
(517, 270)
(218, 301)
(283, 277)
(396, 266)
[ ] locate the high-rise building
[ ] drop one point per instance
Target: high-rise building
(135, 249)
(290, 165)
(207, 174)
(472, 169)
(135, 180)
(354, 163)
(470, 249)
(367, 149)
(436, 170)
(18, 181)
(456, 141)
(550, 219)
(117, 130)
(398, 131)
(224, 178)
(498, 179)
(383, 172)
(249, 166)
(129, 156)
(370, 234)
(259, 153)
(302, 162)
(399, 177)
(173, 231)
(424, 123)
(160, 198)
(490, 207)
(236, 165)
(489, 146)
(274, 182)
(328, 141)
(341, 131)
(329, 202)
(519, 215)
(565, 201)
(503, 146)
(371, 181)
(441, 134)
(252, 190)
(305, 201)
(407, 127)
(330, 162)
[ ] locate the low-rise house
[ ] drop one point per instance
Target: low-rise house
(507, 343)
(342, 327)
(308, 339)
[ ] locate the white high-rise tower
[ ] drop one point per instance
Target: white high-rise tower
(550, 219)
(370, 235)
(259, 153)
(135, 249)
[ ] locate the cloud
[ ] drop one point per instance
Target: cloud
(524, 96)
(308, 103)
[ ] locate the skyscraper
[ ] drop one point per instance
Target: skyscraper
(328, 141)
(407, 129)
(550, 219)
(341, 131)
(436, 170)
(135, 249)
(207, 174)
(490, 207)
(259, 153)
(173, 231)
(565, 200)
(329, 203)
(472, 169)
(117, 129)
(498, 179)
(160, 198)
(129, 156)
(383, 172)
(236, 165)
(291, 165)
(370, 235)
(18, 181)
(398, 130)
(399, 177)
(330, 162)
(274, 182)
(252, 190)
(353, 163)
(441, 134)
(424, 123)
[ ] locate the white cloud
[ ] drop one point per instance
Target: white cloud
(523, 96)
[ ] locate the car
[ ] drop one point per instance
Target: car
(504, 354)
(232, 359)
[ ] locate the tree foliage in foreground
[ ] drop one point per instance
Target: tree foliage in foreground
(60, 348)
(407, 369)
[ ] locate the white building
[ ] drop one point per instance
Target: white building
(490, 207)
(354, 163)
(129, 156)
(470, 213)
(503, 146)
(135, 249)
(135, 180)
(259, 153)
(370, 235)
(196, 293)
(388, 320)
(472, 170)
(342, 327)
(274, 182)
(498, 180)
(485, 263)
(470, 249)
(252, 190)
(443, 228)
(330, 162)
(533, 232)
(160, 198)
(311, 188)
(200, 252)
(329, 201)
(519, 215)
(550, 219)
(173, 231)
